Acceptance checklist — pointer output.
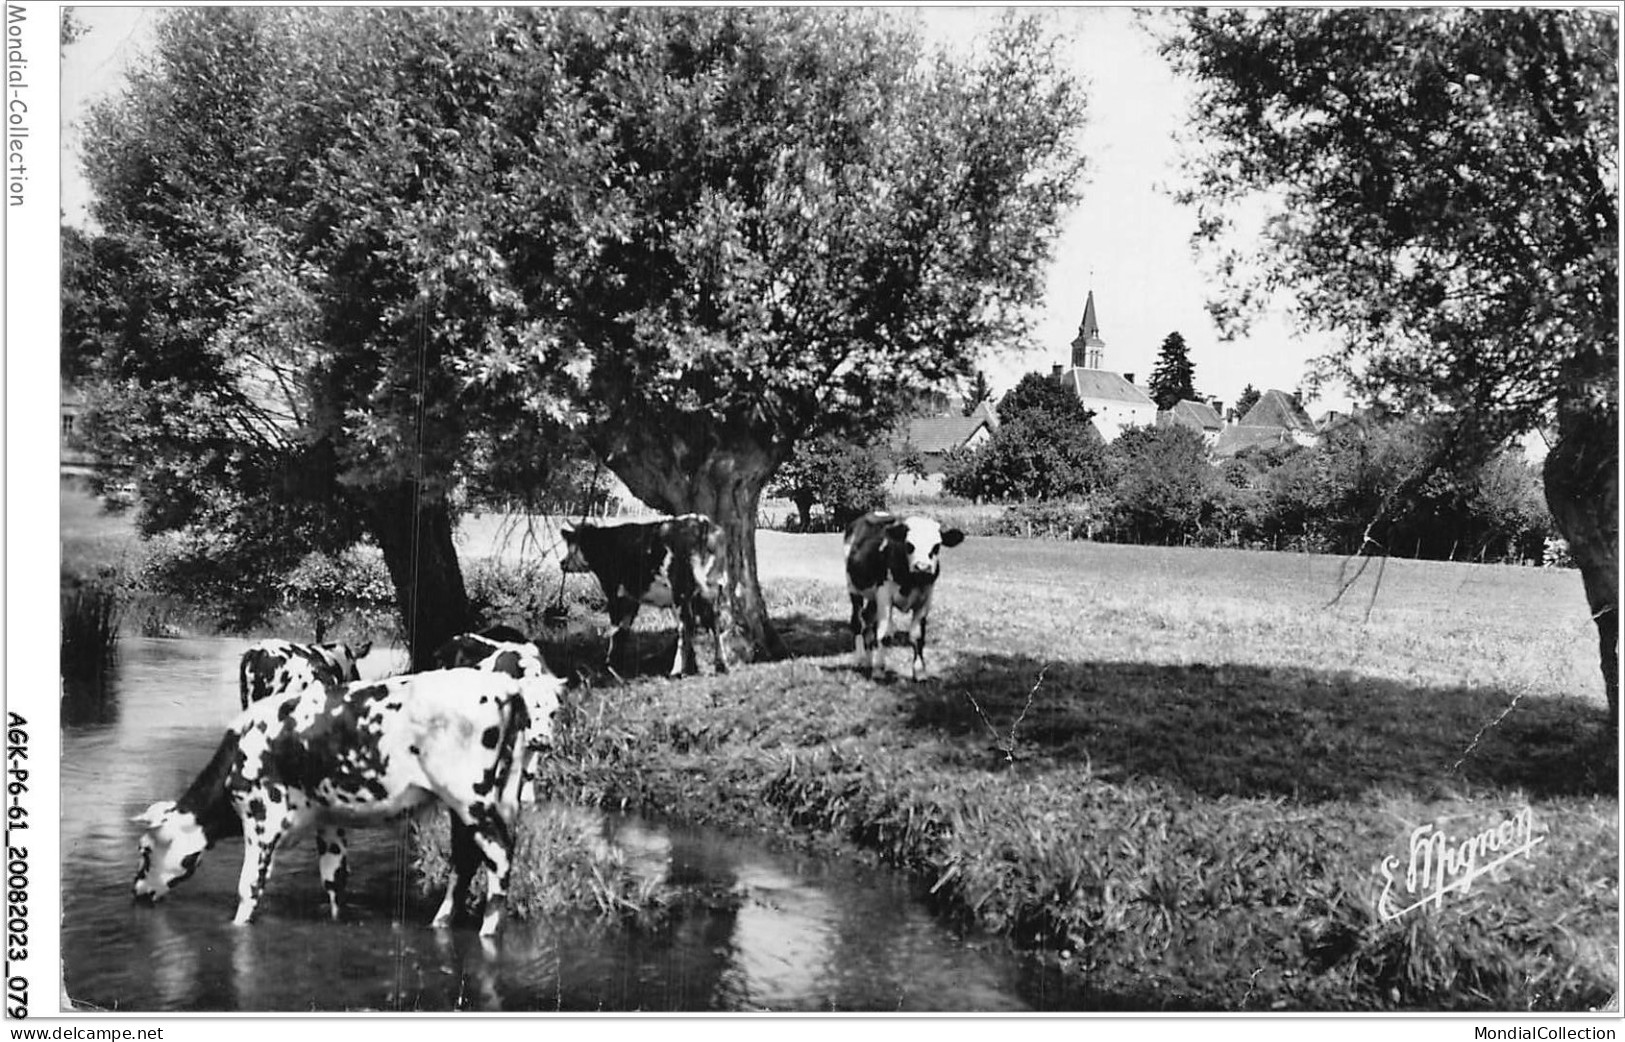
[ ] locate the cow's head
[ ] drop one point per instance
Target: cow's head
(541, 695)
(346, 657)
(707, 552)
(170, 850)
(574, 559)
(917, 542)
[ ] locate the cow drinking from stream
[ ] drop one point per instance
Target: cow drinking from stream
(362, 755)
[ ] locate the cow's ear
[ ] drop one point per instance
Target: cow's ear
(897, 531)
(360, 650)
(154, 815)
(952, 537)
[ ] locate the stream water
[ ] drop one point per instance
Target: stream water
(798, 933)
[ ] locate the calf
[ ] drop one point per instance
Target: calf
(280, 667)
(677, 563)
(891, 563)
(364, 754)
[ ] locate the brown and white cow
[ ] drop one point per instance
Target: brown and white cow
(892, 563)
(365, 754)
(281, 667)
(675, 563)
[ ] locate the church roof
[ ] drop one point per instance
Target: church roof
(1089, 329)
(1104, 386)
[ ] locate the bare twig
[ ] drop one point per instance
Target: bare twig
(1007, 746)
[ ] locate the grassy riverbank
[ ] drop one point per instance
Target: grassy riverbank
(1177, 771)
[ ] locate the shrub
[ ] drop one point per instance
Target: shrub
(1051, 519)
(325, 586)
(845, 479)
(90, 627)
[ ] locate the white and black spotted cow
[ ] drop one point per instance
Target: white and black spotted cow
(361, 755)
(675, 563)
(500, 649)
(281, 667)
(892, 562)
(497, 649)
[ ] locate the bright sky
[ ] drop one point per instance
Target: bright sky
(1128, 240)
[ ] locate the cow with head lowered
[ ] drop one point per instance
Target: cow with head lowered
(675, 563)
(369, 753)
(504, 650)
(892, 563)
(281, 667)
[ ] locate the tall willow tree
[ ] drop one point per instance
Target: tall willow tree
(1445, 188)
(382, 251)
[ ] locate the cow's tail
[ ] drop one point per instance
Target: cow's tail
(242, 679)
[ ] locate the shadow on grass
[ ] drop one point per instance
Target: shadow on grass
(1249, 731)
(577, 649)
(814, 636)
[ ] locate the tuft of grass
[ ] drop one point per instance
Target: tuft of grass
(562, 865)
(90, 627)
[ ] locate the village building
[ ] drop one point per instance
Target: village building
(1113, 397)
(928, 441)
(1200, 417)
(1277, 418)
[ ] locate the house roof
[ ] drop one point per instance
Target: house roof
(1104, 386)
(942, 433)
(1199, 415)
(1235, 438)
(1278, 409)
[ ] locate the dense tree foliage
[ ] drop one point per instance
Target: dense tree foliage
(1162, 480)
(382, 252)
(1045, 447)
(845, 479)
(1173, 379)
(1444, 191)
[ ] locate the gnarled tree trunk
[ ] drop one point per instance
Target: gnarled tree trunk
(414, 529)
(1582, 490)
(723, 482)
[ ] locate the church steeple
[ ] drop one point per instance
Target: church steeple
(1088, 345)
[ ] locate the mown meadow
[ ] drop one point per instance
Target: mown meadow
(1177, 772)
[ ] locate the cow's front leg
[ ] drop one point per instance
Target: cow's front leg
(259, 853)
(623, 612)
(465, 860)
(863, 631)
(713, 622)
(916, 633)
(683, 661)
(495, 840)
(882, 630)
(330, 860)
